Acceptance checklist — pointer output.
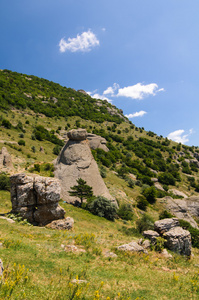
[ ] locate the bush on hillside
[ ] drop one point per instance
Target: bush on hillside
(4, 182)
(145, 223)
(125, 211)
(142, 203)
(103, 207)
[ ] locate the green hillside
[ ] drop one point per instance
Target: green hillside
(35, 116)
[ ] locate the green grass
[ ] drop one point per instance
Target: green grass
(48, 269)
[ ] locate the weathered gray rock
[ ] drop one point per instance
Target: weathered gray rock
(5, 159)
(96, 141)
(146, 244)
(64, 224)
(110, 254)
(36, 198)
(41, 149)
(165, 225)
(133, 247)
(178, 240)
(158, 186)
(185, 209)
(76, 161)
(178, 193)
(77, 134)
(151, 235)
(166, 254)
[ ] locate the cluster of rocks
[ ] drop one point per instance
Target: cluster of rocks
(36, 198)
(176, 238)
(76, 161)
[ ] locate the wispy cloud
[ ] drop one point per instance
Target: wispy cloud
(139, 91)
(140, 113)
(111, 90)
(95, 95)
(179, 136)
(82, 42)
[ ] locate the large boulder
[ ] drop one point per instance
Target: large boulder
(151, 235)
(178, 240)
(36, 198)
(165, 225)
(76, 161)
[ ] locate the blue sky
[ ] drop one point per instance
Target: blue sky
(141, 55)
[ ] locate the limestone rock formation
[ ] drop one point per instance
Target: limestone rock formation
(165, 225)
(96, 141)
(178, 240)
(185, 209)
(5, 159)
(36, 198)
(133, 247)
(76, 161)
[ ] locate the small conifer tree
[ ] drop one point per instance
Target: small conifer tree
(81, 190)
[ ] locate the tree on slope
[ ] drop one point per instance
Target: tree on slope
(81, 190)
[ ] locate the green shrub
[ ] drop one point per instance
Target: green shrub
(4, 182)
(165, 214)
(5, 123)
(145, 223)
(57, 149)
(21, 143)
(166, 178)
(103, 207)
(142, 203)
(125, 211)
(150, 194)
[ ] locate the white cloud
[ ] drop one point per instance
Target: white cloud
(95, 95)
(83, 42)
(137, 114)
(179, 136)
(139, 91)
(111, 89)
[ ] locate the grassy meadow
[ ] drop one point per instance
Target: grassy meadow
(39, 265)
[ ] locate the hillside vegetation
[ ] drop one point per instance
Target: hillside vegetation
(35, 116)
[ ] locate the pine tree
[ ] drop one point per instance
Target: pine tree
(82, 190)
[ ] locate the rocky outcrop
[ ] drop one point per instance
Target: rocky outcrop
(165, 225)
(186, 209)
(96, 141)
(76, 161)
(36, 198)
(177, 239)
(177, 193)
(5, 159)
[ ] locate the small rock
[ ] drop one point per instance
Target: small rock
(133, 247)
(79, 281)
(1, 267)
(166, 254)
(8, 219)
(63, 224)
(146, 244)
(151, 235)
(110, 254)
